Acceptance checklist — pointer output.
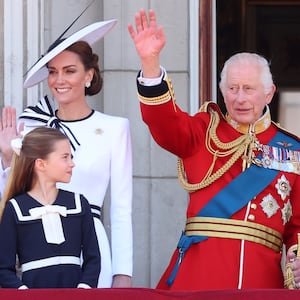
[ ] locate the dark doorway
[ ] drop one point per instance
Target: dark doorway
(270, 28)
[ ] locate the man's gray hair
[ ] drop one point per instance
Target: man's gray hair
(248, 58)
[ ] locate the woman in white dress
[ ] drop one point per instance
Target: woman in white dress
(101, 144)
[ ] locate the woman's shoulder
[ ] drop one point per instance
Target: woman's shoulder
(102, 115)
(111, 119)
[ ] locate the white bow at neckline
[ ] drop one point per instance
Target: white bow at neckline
(51, 220)
(38, 212)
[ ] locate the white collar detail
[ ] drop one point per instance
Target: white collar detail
(52, 215)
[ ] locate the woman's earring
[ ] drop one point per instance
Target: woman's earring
(88, 84)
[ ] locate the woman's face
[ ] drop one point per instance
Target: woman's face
(67, 77)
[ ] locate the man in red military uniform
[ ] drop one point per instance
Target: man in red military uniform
(241, 171)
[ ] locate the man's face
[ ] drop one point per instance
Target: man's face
(244, 93)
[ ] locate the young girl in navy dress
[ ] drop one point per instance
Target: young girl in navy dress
(45, 227)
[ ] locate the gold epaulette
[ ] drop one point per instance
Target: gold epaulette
(211, 107)
(204, 106)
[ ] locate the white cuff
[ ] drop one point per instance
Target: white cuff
(23, 287)
(83, 286)
(152, 81)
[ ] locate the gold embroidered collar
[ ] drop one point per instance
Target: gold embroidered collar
(259, 126)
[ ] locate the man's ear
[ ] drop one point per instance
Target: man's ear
(270, 94)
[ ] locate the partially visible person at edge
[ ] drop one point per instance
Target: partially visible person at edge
(101, 144)
(45, 227)
(241, 171)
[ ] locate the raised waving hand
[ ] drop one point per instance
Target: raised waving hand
(149, 39)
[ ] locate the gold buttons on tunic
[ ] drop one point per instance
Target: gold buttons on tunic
(251, 217)
(253, 206)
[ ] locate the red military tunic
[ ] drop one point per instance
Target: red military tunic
(223, 263)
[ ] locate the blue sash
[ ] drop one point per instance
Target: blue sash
(237, 194)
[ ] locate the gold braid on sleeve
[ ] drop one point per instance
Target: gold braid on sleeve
(166, 97)
(155, 100)
(241, 147)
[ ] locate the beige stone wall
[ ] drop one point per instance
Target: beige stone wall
(289, 110)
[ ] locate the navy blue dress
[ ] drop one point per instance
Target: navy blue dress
(43, 264)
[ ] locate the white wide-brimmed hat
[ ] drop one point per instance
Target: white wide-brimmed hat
(90, 34)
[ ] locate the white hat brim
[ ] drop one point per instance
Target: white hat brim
(90, 34)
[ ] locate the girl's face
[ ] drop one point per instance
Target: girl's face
(59, 164)
(67, 77)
